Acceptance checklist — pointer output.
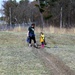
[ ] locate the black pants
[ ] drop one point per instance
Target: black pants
(32, 38)
(42, 43)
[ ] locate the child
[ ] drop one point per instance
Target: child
(42, 39)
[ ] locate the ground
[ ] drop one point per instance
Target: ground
(57, 58)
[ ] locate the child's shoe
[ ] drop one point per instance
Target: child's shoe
(42, 46)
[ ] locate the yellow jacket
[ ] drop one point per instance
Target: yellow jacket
(42, 38)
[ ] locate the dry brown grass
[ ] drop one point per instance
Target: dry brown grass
(56, 30)
(20, 29)
(50, 29)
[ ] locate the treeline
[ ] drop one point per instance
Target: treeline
(59, 13)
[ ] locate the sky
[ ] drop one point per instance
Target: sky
(1, 3)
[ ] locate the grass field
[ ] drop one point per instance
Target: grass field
(16, 58)
(62, 46)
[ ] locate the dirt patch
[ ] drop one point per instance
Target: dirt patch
(53, 63)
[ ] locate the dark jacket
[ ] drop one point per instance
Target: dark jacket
(31, 31)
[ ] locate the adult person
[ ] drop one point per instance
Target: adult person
(32, 35)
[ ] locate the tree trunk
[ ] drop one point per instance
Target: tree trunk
(41, 15)
(61, 18)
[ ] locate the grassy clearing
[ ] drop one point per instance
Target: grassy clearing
(62, 46)
(16, 58)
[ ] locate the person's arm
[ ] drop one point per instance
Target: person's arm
(27, 33)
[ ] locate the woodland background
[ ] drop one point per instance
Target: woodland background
(58, 13)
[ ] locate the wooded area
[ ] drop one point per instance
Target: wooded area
(59, 13)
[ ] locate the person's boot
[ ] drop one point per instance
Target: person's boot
(42, 46)
(30, 45)
(35, 45)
